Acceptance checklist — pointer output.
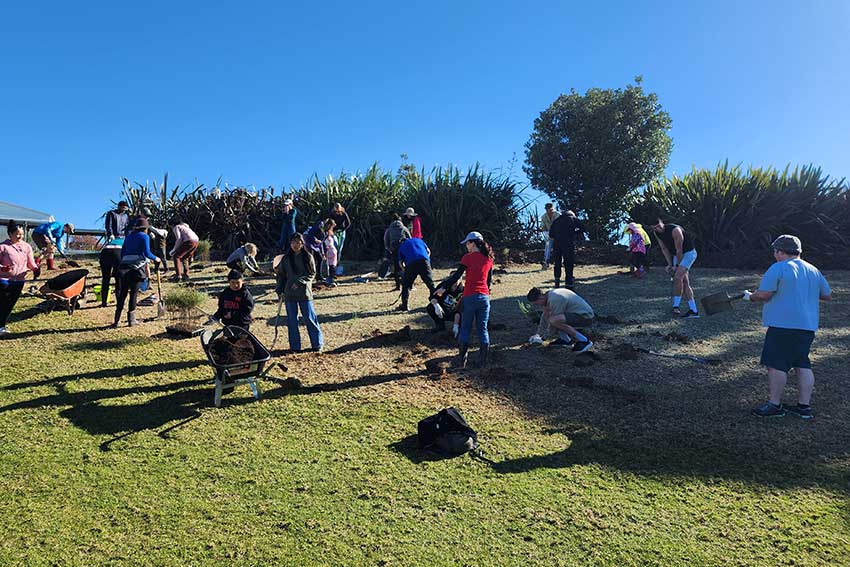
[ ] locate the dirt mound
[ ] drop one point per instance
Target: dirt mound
(403, 335)
(231, 350)
(673, 336)
(625, 351)
(180, 331)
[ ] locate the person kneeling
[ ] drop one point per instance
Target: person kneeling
(244, 259)
(446, 306)
(235, 303)
(563, 311)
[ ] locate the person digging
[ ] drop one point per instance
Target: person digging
(415, 258)
(791, 291)
(563, 312)
(49, 238)
(446, 306)
(678, 248)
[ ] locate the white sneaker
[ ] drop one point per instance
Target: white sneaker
(4, 331)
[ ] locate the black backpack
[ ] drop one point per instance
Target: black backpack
(447, 432)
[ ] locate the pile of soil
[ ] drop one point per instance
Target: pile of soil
(181, 330)
(673, 336)
(403, 335)
(232, 350)
(625, 351)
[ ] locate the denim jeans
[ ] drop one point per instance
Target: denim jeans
(475, 307)
(310, 319)
(547, 251)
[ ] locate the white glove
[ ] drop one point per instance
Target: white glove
(438, 311)
(535, 340)
(455, 329)
(747, 294)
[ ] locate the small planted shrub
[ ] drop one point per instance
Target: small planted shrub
(203, 253)
(184, 304)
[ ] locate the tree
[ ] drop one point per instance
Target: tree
(592, 152)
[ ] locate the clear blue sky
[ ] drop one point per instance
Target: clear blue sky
(266, 93)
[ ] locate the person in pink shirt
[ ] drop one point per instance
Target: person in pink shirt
(331, 256)
(16, 259)
(412, 222)
(185, 245)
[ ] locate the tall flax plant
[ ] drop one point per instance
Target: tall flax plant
(451, 204)
(730, 212)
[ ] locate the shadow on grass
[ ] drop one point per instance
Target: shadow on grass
(110, 373)
(40, 332)
(409, 447)
(28, 313)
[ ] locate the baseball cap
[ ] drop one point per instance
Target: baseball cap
(788, 243)
(472, 236)
(287, 201)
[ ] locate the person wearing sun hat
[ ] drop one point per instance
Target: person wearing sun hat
(477, 265)
(412, 222)
(791, 291)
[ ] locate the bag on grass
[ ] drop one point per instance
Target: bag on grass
(447, 432)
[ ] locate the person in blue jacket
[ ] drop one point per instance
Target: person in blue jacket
(133, 270)
(415, 257)
(288, 228)
(48, 237)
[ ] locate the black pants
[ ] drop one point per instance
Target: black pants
(9, 294)
(421, 268)
(130, 283)
(638, 259)
(109, 260)
(567, 254)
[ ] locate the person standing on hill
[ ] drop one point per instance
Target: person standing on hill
(415, 255)
(394, 235)
(314, 241)
(342, 222)
(791, 291)
(48, 237)
(110, 259)
(477, 265)
(546, 220)
(116, 222)
(15, 259)
(564, 231)
(133, 270)
(287, 228)
(680, 253)
(296, 272)
(412, 222)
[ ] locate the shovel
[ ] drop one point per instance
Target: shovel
(719, 302)
(160, 306)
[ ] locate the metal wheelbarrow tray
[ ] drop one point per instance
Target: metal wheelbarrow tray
(65, 290)
(228, 376)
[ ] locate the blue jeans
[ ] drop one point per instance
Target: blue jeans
(475, 307)
(310, 319)
(547, 251)
(339, 240)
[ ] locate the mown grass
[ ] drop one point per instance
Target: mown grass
(112, 455)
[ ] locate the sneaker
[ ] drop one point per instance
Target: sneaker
(4, 331)
(676, 312)
(802, 412)
(769, 410)
(691, 314)
(561, 342)
(582, 346)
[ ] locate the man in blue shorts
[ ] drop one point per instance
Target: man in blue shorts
(678, 248)
(791, 290)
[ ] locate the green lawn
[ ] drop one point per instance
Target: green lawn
(113, 455)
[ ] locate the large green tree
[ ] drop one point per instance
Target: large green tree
(592, 152)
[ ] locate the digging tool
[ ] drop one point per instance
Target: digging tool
(277, 322)
(701, 360)
(160, 306)
(719, 302)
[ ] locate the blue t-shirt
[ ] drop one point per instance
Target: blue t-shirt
(798, 287)
(138, 244)
(413, 249)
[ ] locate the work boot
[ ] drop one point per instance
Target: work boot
(464, 350)
(131, 319)
(482, 355)
(117, 320)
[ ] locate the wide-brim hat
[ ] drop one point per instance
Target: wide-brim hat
(472, 236)
(410, 212)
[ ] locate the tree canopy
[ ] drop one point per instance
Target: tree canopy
(592, 152)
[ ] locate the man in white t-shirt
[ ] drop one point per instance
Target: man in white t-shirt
(546, 220)
(791, 290)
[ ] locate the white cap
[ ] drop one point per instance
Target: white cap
(287, 202)
(472, 236)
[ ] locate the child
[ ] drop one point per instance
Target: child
(637, 250)
(330, 256)
(235, 302)
(447, 306)
(244, 259)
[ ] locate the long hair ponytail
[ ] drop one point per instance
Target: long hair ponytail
(484, 247)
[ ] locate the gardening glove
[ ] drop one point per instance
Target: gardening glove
(455, 329)
(535, 340)
(438, 311)
(747, 294)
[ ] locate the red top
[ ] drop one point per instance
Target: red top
(416, 232)
(477, 267)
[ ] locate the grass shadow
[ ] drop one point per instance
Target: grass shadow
(409, 447)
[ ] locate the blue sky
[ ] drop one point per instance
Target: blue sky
(266, 93)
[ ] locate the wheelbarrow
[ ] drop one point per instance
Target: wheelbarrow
(719, 302)
(65, 291)
(228, 376)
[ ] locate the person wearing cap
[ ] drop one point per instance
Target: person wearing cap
(546, 220)
(415, 257)
(679, 250)
(564, 231)
(185, 245)
(412, 222)
(287, 228)
(48, 237)
(791, 291)
(116, 222)
(235, 303)
(477, 266)
(133, 270)
(342, 224)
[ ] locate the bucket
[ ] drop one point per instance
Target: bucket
(97, 289)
